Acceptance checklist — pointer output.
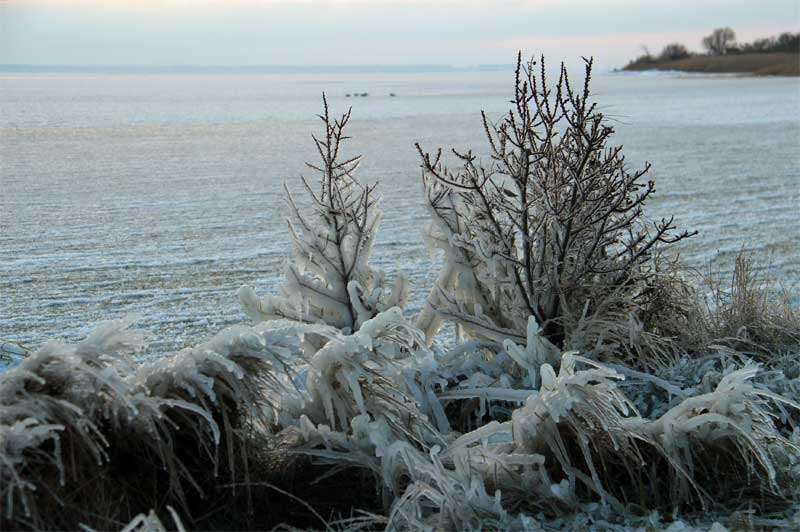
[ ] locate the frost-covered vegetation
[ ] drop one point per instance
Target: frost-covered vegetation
(589, 383)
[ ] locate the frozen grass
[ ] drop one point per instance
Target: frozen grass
(83, 422)
(751, 313)
(639, 402)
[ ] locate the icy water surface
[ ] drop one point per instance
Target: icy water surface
(161, 195)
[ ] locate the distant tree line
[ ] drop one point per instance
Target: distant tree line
(785, 42)
(722, 41)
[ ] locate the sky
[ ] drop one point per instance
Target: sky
(367, 32)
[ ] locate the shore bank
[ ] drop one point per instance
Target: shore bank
(775, 64)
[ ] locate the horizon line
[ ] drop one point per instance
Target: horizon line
(265, 68)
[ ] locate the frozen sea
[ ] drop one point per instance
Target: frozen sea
(159, 195)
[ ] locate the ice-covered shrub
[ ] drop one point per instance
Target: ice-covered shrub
(377, 371)
(432, 496)
(576, 450)
(74, 412)
(552, 227)
(365, 392)
(48, 405)
(725, 445)
(584, 441)
(330, 280)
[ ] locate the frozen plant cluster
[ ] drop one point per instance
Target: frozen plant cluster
(561, 404)
(71, 412)
(556, 402)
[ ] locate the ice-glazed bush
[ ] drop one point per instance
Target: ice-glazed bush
(578, 439)
(87, 435)
(552, 226)
(330, 280)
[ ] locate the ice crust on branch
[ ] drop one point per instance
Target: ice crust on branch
(330, 280)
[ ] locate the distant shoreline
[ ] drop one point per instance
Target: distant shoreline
(770, 64)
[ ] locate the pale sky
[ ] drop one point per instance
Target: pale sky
(359, 32)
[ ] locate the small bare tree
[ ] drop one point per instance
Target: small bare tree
(330, 280)
(719, 41)
(552, 228)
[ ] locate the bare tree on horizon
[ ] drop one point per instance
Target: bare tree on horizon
(719, 41)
